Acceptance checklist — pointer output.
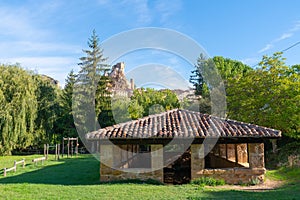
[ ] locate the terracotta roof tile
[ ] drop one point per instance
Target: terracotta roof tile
(182, 124)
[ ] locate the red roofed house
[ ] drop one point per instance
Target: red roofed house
(180, 145)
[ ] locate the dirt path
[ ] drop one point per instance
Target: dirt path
(267, 185)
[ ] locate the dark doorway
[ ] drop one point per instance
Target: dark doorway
(178, 172)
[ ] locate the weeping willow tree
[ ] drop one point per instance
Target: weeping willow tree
(48, 111)
(18, 108)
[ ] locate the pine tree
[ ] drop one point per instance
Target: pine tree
(67, 127)
(196, 77)
(92, 69)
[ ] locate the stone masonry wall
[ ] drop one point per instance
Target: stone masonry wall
(234, 175)
(109, 154)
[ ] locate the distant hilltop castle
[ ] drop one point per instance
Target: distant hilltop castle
(120, 85)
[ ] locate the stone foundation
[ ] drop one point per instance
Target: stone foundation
(234, 175)
(109, 174)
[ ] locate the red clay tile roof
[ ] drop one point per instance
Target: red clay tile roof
(182, 124)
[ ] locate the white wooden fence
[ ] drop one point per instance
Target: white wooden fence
(14, 168)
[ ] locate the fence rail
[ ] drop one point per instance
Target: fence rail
(14, 168)
(36, 160)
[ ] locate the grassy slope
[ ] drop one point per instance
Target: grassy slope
(77, 178)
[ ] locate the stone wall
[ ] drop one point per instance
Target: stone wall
(234, 175)
(110, 156)
(109, 174)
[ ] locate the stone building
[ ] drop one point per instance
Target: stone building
(180, 145)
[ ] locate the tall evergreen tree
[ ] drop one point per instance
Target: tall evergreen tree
(67, 125)
(92, 69)
(196, 77)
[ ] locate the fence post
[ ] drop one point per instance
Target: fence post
(55, 152)
(44, 149)
(4, 173)
(23, 162)
(58, 151)
(76, 151)
(68, 147)
(47, 151)
(15, 166)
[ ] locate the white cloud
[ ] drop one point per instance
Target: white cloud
(284, 36)
(266, 48)
(144, 12)
(17, 23)
(167, 9)
(296, 27)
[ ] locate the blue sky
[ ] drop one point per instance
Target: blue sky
(48, 36)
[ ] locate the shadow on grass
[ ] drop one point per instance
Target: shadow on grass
(73, 171)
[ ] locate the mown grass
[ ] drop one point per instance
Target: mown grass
(290, 175)
(78, 178)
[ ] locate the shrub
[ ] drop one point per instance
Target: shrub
(254, 181)
(208, 181)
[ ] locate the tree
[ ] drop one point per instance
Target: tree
(209, 78)
(120, 109)
(225, 67)
(86, 86)
(268, 96)
(48, 111)
(18, 108)
(104, 102)
(150, 101)
(196, 77)
(66, 120)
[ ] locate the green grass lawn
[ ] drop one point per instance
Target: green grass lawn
(78, 178)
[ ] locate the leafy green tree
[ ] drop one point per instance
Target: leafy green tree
(48, 111)
(150, 101)
(229, 68)
(268, 96)
(18, 108)
(225, 67)
(208, 78)
(120, 109)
